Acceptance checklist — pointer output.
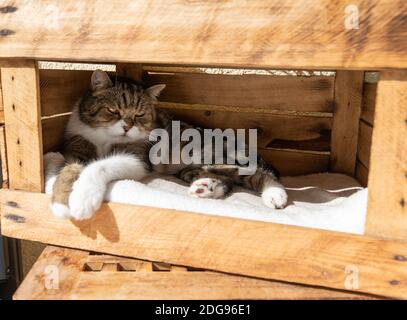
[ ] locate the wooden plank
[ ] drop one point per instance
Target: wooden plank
(302, 34)
(23, 139)
(361, 173)
(294, 163)
(3, 157)
(387, 209)
(54, 274)
(345, 126)
(60, 89)
(22, 113)
(53, 129)
(76, 283)
(369, 102)
(251, 248)
(247, 91)
(270, 128)
(364, 143)
(1, 104)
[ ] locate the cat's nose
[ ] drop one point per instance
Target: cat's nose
(126, 128)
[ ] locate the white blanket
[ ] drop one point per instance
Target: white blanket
(324, 201)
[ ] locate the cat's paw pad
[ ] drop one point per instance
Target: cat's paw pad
(60, 210)
(207, 188)
(275, 197)
(85, 200)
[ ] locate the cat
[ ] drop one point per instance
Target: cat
(107, 139)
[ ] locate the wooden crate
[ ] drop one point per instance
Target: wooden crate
(306, 124)
(62, 273)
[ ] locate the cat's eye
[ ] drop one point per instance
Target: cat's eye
(139, 115)
(113, 111)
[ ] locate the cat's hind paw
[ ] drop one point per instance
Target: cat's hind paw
(207, 188)
(275, 197)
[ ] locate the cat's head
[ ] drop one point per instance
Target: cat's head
(123, 110)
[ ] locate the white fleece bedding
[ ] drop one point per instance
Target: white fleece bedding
(324, 201)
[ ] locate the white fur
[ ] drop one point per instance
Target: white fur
(207, 188)
(274, 195)
(88, 191)
(103, 137)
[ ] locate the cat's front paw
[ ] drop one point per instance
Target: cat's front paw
(207, 188)
(85, 199)
(275, 197)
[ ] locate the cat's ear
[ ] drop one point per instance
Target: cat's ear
(154, 91)
(100, 80)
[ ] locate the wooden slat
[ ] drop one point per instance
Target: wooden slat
(294, 163)
(76, 283)
(3, 157)
(302, 34)
(1, 104)
(344, 137)
(22, 113)
(387, 209)
(54, 274)
(60, 89)
(247, 91)
(364, 143)
(52, 131)
(252, 248)
(361, 173)
(269, 127)
(369, 102)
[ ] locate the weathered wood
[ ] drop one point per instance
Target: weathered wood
(345, 126)
(251, 248)
(74, 281)
(303, 34)
(361, 173)
(22, 114)
(294, 163)
(1, 104)
(20, 82)
(53, 129)
(286, 93)
(387, 208)
(269, 127)
(369, 102)
(364, 143)
(60, 89)
(3, 157)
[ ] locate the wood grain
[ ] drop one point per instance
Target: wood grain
(303, 34)
(294, 163)
(1, 104)
(286, 93)
(364, 143)
(345, 126)
(369, 102)
(23, 134)
(387, 207)
(60, 89)
(175, 282)
(53, 129)
(257, 249)
(269, 127)
(3, 157)
(361, 173)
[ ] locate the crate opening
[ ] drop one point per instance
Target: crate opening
(293, 112)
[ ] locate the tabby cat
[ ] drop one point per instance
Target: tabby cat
(107, 139)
